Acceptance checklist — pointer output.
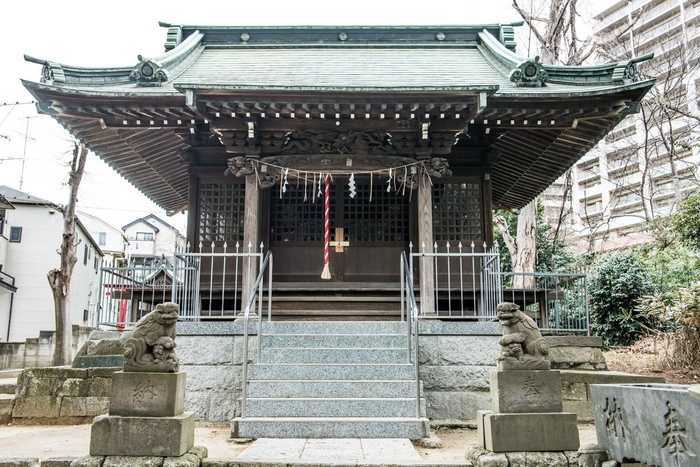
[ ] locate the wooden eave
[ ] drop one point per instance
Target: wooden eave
(526, 136)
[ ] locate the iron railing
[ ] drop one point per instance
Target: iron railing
(256, 290)
(558, 302)
(207, 284)
(464, 283)
(467, 284)
(409, 304)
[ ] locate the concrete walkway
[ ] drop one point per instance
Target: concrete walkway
(349, 450)
(44, 442)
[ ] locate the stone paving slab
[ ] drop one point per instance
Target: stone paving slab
(332, 449)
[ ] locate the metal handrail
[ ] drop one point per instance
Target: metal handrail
(246, 316)
(408, 296)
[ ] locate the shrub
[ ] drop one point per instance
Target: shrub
(617, 284)
(678, 312)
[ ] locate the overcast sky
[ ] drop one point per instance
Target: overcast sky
(93, 33)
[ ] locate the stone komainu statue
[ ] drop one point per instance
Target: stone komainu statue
(151, 348)
(522, 344)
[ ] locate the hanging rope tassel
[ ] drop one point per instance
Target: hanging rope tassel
(326, 274)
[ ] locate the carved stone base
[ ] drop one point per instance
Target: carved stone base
(112, 435)
(499, 432)
(147, 394)
(524, 391)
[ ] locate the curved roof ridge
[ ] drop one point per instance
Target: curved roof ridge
(623, 72)
(58, 73)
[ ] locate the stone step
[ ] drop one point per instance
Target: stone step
(334, 355)
(330, 427)
(8, 385)
(353, 371)
(333, 327)
(6, 403)
(334, 340)
(331, 389)
(332, 407)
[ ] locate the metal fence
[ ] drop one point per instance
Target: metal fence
(468, 283)
(460, 282)
(206, 284)
(465, 282)
(558, 302)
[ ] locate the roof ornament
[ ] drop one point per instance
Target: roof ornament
(529, 73)
(52, 72)
(626, 72)
(148, 73)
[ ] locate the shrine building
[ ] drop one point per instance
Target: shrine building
(344, 177)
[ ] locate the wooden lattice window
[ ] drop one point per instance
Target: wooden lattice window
(221, 212)
(381, 217)
(297, 216)
(458, 212)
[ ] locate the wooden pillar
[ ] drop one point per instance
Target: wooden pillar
(426, 272)
(251, 236)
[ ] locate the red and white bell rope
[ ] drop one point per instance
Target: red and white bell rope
(326, 274)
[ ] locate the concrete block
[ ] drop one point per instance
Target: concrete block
(537, 459)
(19, 462)
(461, 405)
(142, 436)
(222, 406)
(105, 347)
(186, 460)
(74, 387)
(208, 350)
(582, 409)
(84, 406)
(524, 432)
(468, 350)
(480, 457)
(98, 361)
(571, 391)
(207, 377)
(58, 461)
(100, 387)
(455, 377)
(6, 404)
(136, 394)
(36, 406)
(88, 461)
(198, 402)
(129, 461)
(525, 391)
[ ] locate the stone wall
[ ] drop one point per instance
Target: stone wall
(61, 395)
(211, 353)
(36, 352)
(455, 360)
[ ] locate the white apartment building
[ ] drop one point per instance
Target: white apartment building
(647, 166)
(30, 235)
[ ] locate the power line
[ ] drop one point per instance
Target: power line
(5, 104)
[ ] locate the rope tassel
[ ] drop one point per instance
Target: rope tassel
(326, 274)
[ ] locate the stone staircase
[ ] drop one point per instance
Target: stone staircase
(8, 386)
(342, 379)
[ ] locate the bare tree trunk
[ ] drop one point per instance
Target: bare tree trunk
(523, 249)
(60, 278)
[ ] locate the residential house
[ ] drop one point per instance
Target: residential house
(32, 233)
(111, 240)
(151, 239)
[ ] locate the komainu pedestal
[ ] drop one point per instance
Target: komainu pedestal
(146, 408)
(526, 403)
